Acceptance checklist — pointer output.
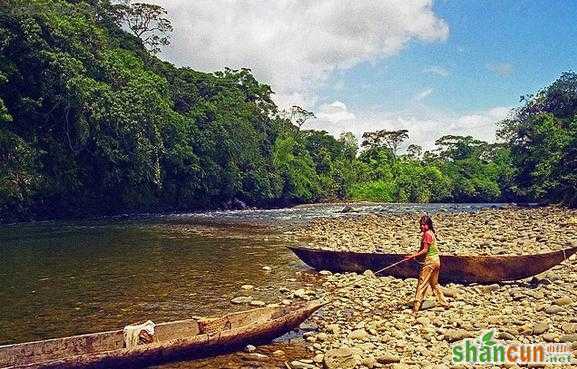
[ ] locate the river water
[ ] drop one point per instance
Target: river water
(65, 278)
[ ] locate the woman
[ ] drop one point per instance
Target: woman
(429, 273)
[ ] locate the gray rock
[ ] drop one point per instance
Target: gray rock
(250, 348)
(347, 209)
(241, 300)
(428, 304)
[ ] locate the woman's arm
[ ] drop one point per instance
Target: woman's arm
(423, 251)
(425, 243)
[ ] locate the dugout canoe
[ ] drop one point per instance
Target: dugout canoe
(458, 269)
(177, 340)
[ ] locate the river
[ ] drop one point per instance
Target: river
(63, 278)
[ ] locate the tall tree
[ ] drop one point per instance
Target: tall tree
(384, 138)
(148, 22)
(298, 116)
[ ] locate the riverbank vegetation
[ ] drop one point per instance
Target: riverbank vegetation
(93, 123)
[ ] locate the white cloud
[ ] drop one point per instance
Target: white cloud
(436, 70)
(295, 44)
(424, 126)
(501, 69)
(422, 95)
(334, 112)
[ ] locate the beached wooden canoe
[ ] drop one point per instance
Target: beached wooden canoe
(458, 269)
(175, 341)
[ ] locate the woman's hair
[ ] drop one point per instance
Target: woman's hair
(425, 219)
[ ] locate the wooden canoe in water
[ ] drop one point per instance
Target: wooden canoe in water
(175, 341)
(458, 269)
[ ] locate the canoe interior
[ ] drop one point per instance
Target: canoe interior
(17, 355)
(457, 269)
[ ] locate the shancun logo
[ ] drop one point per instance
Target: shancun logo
(486, 350)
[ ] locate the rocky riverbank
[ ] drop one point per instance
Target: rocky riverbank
(514, 231)
(369, 324)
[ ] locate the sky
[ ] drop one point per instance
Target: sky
(431, 67)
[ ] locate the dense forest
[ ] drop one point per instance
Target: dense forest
(93, 123)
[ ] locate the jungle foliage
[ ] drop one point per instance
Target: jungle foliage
(93, 123)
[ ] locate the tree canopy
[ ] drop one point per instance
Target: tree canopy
(93, 123)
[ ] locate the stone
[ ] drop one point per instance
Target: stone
(325, 272)
(347, 209)
(301, 292)
(553, 309)
(423, 320)
(568, 338)
(241, 300)
(278, 353)
(299, 364)
(540, 328)
(401, 366)
(451, 292)
(569, 327)
(257, 303)
(453, 335)
(369, 361)
(266, 268)
(247, 286)
(318, 358)
(428, 304)
(322, 336)
(563, 301)
(490, 288)
(308, 326)
(358, 334)
(505, 336)
(369, 273)
(526, 329)
(388, 359)
(250, 348)
(341, 358)
(334, 328)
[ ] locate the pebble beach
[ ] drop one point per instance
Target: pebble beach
(369, 323)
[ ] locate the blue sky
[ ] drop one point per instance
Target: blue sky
(496, 51)
(432, 67)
